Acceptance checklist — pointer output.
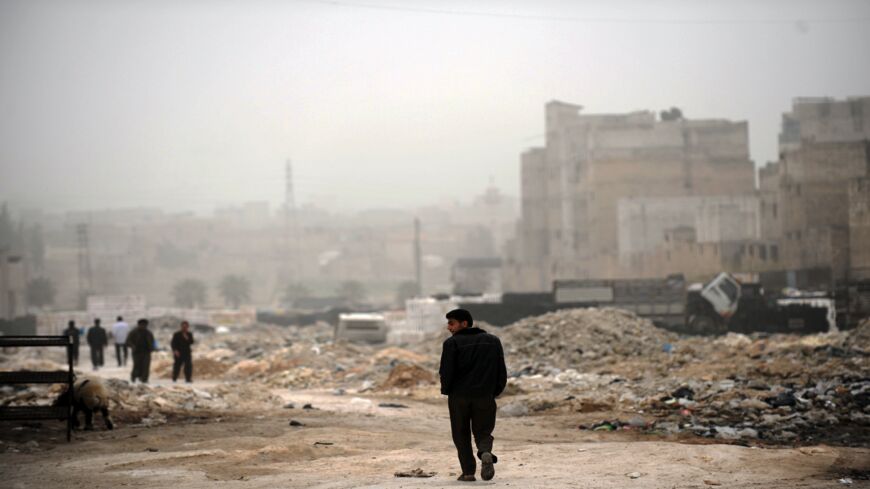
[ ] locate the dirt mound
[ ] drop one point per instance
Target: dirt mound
(203, 368)
(564, 338)
(859, 338)
(408, 376)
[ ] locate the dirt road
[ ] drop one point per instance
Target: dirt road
(351, 442)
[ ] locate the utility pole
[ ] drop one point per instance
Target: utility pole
(84, 261)
(418, 272)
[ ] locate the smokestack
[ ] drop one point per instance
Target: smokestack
(418, 273)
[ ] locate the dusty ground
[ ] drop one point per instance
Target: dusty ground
(363, 445)
(760, 412)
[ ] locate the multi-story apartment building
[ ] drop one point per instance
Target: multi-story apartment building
(572, 187)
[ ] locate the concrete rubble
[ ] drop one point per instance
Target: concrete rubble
(603, 369)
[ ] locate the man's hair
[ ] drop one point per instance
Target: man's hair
(185, 322)
(97, 321)
(71, 323)
(142, 322)
(120, 318)
(461, 315)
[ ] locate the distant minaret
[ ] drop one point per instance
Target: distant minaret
(291, 228)
(84, 261)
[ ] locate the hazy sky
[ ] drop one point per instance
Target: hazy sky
(194, 104)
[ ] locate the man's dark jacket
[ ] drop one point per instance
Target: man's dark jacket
(140, 340)
(472, 364)
(181, 344)
(97, 337)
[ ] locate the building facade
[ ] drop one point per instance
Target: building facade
(571, 187)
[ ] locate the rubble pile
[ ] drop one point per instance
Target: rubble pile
(567, 338)
(605, 368)
(773, 388)
(408, 376)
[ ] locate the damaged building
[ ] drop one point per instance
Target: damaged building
(595, 166)
(816, 195)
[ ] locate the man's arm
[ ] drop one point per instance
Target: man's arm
(448, 365)
(501, 378)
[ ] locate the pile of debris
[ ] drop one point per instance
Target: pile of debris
(774, 388)
(567, 338)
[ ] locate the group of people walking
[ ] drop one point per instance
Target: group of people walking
(138, 343)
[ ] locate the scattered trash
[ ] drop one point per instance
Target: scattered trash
(633, 475)
(712, 482)
(392, 405)
(514, 409)
(418, 472)
(149, 449)
(293, 422)
(327, 443)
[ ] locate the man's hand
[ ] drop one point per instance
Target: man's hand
(176, 353)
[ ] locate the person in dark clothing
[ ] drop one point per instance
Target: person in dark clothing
(473, 374)
(71, 330)
(141, 343)
(97, 340)
(181, 341)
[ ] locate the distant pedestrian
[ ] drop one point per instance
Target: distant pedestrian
(181, 342)
(119, 333)
(141, 343)
(472, 374)
(73, 332)
(97, 340)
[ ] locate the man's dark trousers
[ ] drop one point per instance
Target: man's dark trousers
(471, 416)
(121, 354)
(97, 356)
(187, 361)
(141, 366)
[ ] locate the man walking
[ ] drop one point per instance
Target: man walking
(72, 331)
(119, 332)
(141, 343)
(97, 340)
(181, 341)
(473, 374)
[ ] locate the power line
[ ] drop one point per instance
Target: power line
(592, 20)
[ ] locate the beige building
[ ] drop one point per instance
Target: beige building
(571, 188)
(13, 285)
(824, 152)
(859, 229)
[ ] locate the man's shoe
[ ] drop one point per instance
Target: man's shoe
(466, 478)
(487, 469)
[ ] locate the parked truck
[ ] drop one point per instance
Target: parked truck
(725, 304)
(721, 305)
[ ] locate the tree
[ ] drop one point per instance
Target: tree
(36, 247)
(40, 292)
(294, 292)
(352, 290)
(235, 289)
(189, 293)
(673, 114)
(7, 230)
(406, 290)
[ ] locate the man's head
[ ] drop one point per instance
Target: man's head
(185, 326)
(142, 323)
(459, 319)
(71, 324)
(97, 322)
(120, 318)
